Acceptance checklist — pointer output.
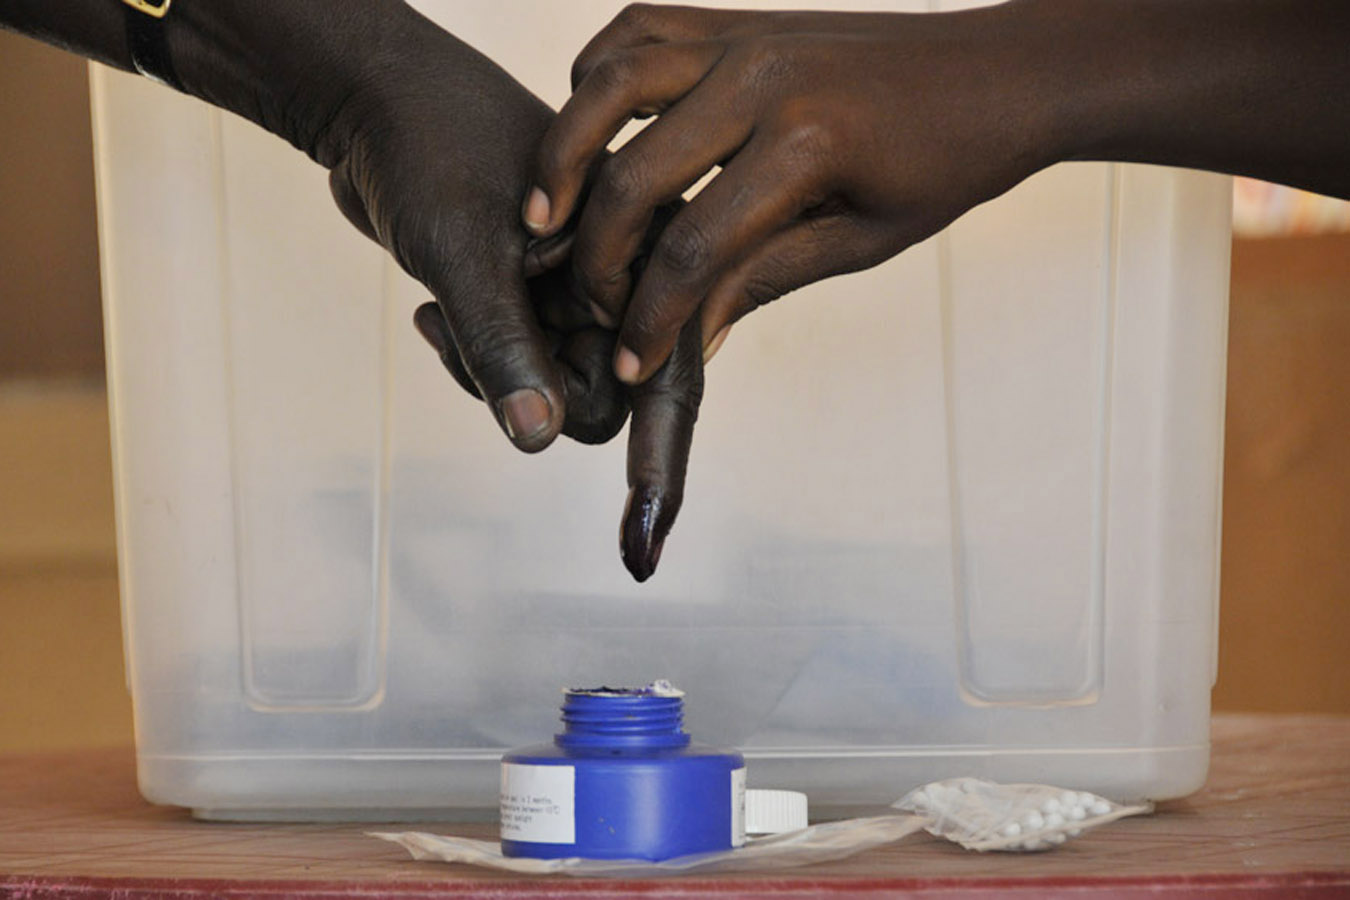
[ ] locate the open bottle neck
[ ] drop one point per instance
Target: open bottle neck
(622, 720)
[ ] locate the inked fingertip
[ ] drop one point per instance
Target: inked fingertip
(642, 534)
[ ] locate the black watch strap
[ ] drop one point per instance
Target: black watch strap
(145, 38)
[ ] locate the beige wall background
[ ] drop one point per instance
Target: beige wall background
(49, 307)
(1285, 603)
(1284, 613)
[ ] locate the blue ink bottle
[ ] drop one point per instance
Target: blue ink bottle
(623, 781)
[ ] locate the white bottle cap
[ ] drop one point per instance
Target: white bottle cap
(774, 812)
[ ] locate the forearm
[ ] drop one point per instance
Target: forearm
(1251, 87)
(91, 28)
(290, 66)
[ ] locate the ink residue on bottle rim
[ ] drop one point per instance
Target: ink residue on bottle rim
(659, 688)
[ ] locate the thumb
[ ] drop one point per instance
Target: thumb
(502, 347)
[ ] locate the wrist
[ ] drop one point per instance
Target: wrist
(1241, 86)
(1031, 116)
(1097, 73)
(1039, 44)
(291, 67)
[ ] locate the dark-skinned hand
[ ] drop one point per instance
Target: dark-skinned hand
(843, 138)
(430, 146)
(435, 171)
(664, 408)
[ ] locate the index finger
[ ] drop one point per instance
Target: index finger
(665, 408)
(625, 84)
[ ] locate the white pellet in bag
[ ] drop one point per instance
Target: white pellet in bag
(983, 815)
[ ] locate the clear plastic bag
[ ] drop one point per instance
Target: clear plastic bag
(983, 815)
(978, 815)
(818, 843)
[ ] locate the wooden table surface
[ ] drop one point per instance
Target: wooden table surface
(1274, 820)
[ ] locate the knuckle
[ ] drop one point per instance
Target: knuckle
(614, 73)
(686, 375)
(601, 277)
(487, 346)
(761, 290)
(765, 63)
(581, 67)
(678, 385)
(437, 249)
(596, 414)
(622, 178)
(805, 130)
(632, 25)
(684, 249)
(595, 424)
(635, 16)
(645, 324)
(500, 358)
(605, 283)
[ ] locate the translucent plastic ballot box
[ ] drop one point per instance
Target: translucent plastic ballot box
(956, 515)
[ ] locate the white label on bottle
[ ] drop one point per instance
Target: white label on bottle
(538, 804)
(738, 807)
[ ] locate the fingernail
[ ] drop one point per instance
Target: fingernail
(627, 366)
(602, 316)
(525, 413)
(646, 522)
(715, 344)
(536, 210)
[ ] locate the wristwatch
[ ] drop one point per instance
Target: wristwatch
(145, 38)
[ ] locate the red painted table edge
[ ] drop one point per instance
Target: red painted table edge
(1315, 884)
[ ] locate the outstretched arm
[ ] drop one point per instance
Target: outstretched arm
(844, 138)
(425, 138)
(429, 145)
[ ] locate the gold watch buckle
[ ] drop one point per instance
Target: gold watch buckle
(157, 9)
